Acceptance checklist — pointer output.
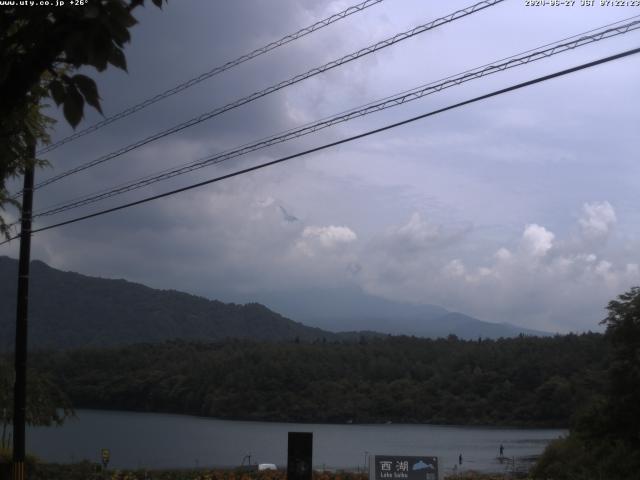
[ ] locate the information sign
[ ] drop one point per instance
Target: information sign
(402, 467)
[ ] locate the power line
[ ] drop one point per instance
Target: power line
(389, 102)
(598, 34)
(214, 71)
(279, 86)
(344, 140)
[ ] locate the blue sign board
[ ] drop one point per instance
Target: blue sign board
(402, 467)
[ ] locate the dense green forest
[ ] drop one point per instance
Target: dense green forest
(526, 381)
(604, 439)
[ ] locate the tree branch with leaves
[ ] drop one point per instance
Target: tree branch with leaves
(41, 50)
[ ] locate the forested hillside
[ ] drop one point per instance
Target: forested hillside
(522, 381)
(69, 310)
(604, 439)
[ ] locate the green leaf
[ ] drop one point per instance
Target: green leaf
(121, 15)
(89, 90)
(75, 49)
(117, 58)
(98, 49)
(73, 106)
(118, 33)
(57, 91)
(118, 22)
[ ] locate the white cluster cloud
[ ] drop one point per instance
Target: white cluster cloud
(329, 236)
(532, 283)
(417, 233)
(598, 220)
(537, 240)
(323, 242)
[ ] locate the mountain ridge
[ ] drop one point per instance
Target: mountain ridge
(69, 310)
(351, 309)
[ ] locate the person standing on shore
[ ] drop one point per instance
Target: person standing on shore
(501, 450)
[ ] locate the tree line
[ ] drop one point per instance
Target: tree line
(525, 381)
(604, 439)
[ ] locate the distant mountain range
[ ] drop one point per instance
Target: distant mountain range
(350, 309)
(69, 310)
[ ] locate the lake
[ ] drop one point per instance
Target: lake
(150, 440)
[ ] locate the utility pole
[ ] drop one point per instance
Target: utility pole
(20, 386)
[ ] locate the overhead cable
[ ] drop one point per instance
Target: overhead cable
(279, 86)
(340, 142)
(389, 102)
(214, 71)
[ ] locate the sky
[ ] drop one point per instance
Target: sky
(521, 208)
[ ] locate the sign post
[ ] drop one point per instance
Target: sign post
(105, 454)
(402, 467)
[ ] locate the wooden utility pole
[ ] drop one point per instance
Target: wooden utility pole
(20, 387)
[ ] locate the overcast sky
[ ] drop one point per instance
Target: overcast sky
(522, 208)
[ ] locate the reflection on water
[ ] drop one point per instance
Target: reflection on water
(161, 441)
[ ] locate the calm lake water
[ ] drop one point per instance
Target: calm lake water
(148, 440)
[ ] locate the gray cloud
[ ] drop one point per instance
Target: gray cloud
(516, 209)
(529, 280)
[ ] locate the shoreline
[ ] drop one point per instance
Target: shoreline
(164, 441)
(345, 424)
